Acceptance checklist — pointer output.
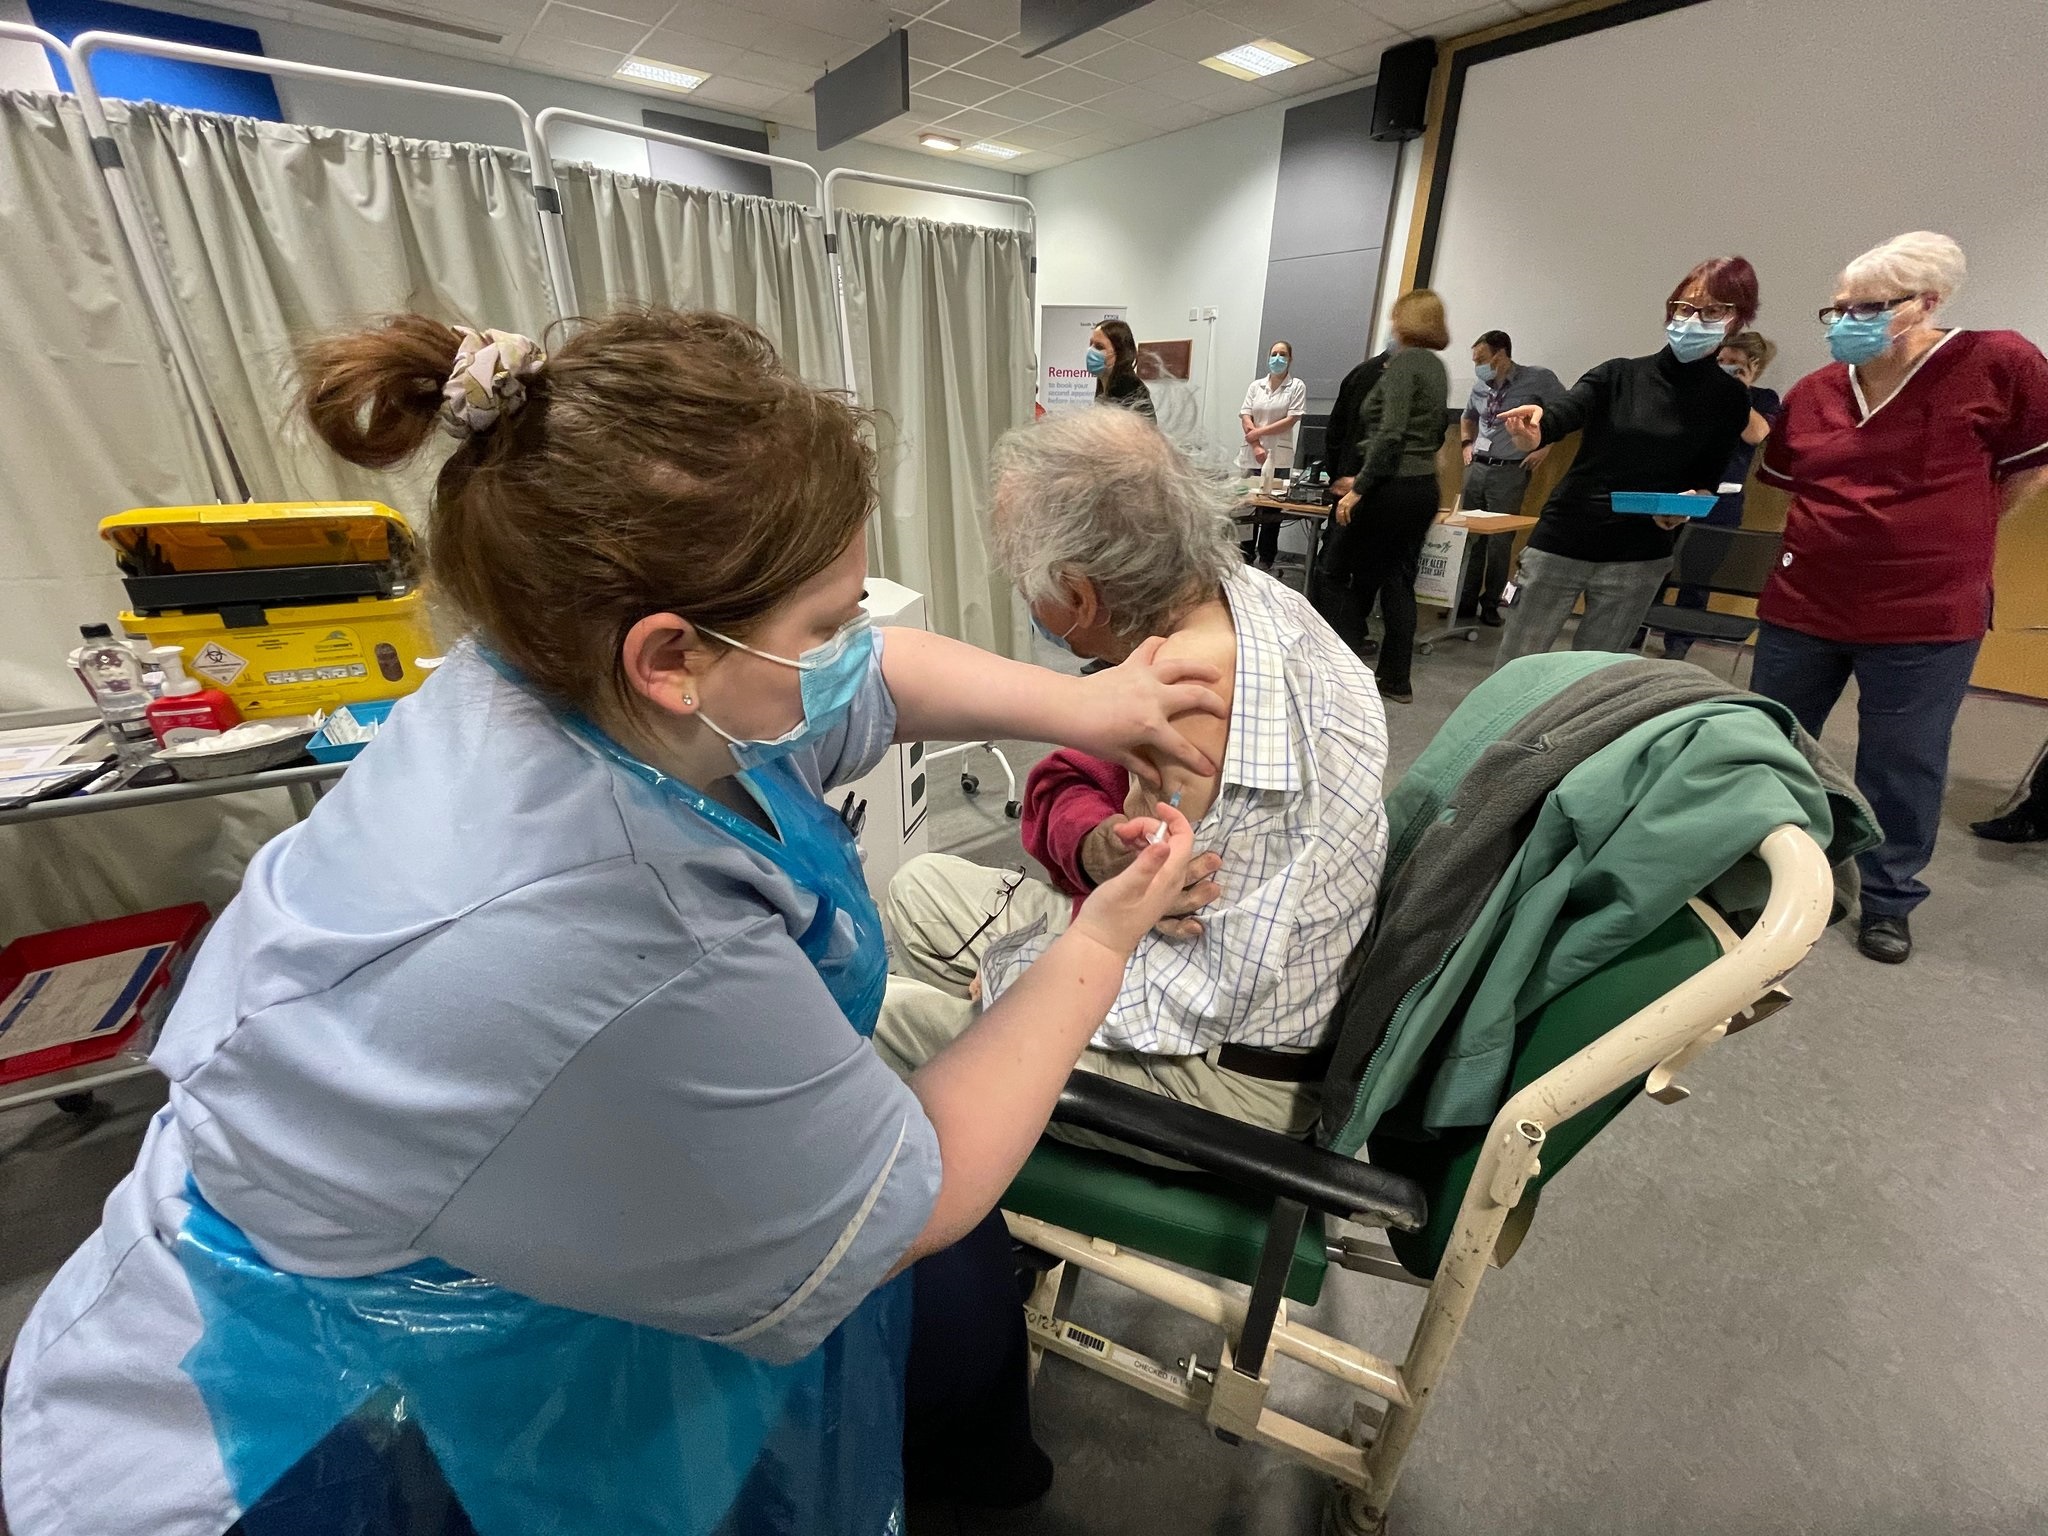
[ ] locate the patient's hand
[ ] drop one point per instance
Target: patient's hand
(1104, 856)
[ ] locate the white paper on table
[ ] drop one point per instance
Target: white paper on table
(32, 748)
(76, 1000)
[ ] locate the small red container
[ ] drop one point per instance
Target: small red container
(173, 929)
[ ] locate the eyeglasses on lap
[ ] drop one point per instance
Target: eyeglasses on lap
(1012, 878)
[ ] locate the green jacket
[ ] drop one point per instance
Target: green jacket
(1401, 426)
(1671, 806)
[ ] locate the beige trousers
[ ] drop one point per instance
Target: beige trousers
(942, 913)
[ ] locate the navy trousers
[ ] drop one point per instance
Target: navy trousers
(1908, 696)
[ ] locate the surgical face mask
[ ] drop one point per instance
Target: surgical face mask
(1855, 341)
(832, 676)
(1057, 642)
(1098, 361)
(1277, 363)
(1693, 338)
(1483, 372)
(1734, 371)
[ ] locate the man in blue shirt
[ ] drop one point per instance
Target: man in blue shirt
(1496, 471)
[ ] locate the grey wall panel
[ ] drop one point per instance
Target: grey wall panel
(700, 168)
(1329, 222)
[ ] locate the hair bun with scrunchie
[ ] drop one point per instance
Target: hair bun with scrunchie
(488, 379)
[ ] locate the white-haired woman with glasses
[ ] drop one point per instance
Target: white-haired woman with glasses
(1901, 457)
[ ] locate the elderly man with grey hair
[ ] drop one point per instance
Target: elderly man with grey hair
(1120, 545)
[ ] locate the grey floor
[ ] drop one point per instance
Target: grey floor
(1812, 1299)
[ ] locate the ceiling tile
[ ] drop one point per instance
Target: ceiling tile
(1025, 106)
(1131, 62)
(765, 69)
(995, 20)
(1149, 107)
(971, 124)
(1147, 18)
(1201, 35)
(1273, 18)
(1082, 149)
(931, 43)
(577, 58)
(1476, 21)
(797, 109)
(1417, 16)
(594, 29)
(1078, 122)
(956, 89)
(1366, 60)
(1005, 65)
(1338, 32)
(1074, 51)
(717, 23)
(1228, 95)
(1303, 78)
(1072, 86)
(672, 47)
(1183, 80)
(724, 91)
(1035, 136)
(646, 12)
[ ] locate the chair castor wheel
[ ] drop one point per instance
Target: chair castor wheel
(75, 1103)
(1345, 1514)
(969, 784)
(1013, 810)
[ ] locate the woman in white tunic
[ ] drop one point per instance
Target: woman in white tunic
(1272, 411)
(526, 1168)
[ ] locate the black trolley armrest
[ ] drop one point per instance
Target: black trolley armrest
(1261, 1160)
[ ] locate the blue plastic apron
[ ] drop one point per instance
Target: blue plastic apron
(425, 1400)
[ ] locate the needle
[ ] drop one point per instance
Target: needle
(1159, 832)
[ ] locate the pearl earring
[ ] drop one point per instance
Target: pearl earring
(688, 702)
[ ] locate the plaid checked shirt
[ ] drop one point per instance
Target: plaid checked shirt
(1299, 824)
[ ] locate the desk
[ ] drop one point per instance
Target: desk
(72, 1088)
(1256, 509)
(1477, 525)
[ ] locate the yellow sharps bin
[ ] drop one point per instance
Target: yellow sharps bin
(287, 606)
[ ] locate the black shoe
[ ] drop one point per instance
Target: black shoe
(1398, 695)
(1491, 618)
(1885, 939)
(2020, 826)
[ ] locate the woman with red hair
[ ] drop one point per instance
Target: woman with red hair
(1666, 422)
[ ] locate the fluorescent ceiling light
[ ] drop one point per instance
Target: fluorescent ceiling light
(994, 151)
(653, 72)
(940, 141)
(1254, 61)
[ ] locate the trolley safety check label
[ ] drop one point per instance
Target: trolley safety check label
(1107, 1349)
(219, 663)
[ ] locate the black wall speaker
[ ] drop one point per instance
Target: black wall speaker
(1401, 99)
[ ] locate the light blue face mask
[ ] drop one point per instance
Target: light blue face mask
(1277, 363)
(1098, 361)
(832, 677)
(1854, 341)
(1693, 338)
(1483, 372)
(1057, 642)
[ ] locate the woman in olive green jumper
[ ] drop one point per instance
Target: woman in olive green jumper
(1394, 499)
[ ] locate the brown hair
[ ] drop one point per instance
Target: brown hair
(662, 462)
(1419, 320)
(1755, 346)
(1123, 366)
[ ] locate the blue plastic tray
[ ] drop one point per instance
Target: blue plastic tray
(1663, 503)
(372, 713)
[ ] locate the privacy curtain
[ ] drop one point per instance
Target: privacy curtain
(90, 422)
(940, 317)
(273, 232)
(636, 241)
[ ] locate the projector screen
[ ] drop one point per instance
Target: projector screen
(1587, 175)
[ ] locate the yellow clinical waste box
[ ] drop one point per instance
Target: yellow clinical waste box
(288, 607)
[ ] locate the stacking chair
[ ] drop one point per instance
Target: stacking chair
(1253, 1228)
(1733, 561)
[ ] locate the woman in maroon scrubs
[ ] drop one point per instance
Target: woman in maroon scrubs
(1901, 457)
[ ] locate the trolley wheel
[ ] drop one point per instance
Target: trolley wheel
(1471, 637)
(1013, 810)
(969, 784)
(75, 1103)
(1426, 647)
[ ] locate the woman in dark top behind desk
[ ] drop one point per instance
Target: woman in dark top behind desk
(1393, 498)
(1667, 422)
(1113, 359)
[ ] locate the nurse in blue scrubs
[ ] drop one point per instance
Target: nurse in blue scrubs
(527, 1168)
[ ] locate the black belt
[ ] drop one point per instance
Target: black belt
(1487, 458)
(1276, 1066)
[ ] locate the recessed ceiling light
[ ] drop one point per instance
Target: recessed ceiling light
(939, 141)
(1254, 61)
(671, 77)
(994, 151)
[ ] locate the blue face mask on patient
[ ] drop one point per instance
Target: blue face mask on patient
(1693, 338)
(1854, 341)
(832, 677)
(1057, 642)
